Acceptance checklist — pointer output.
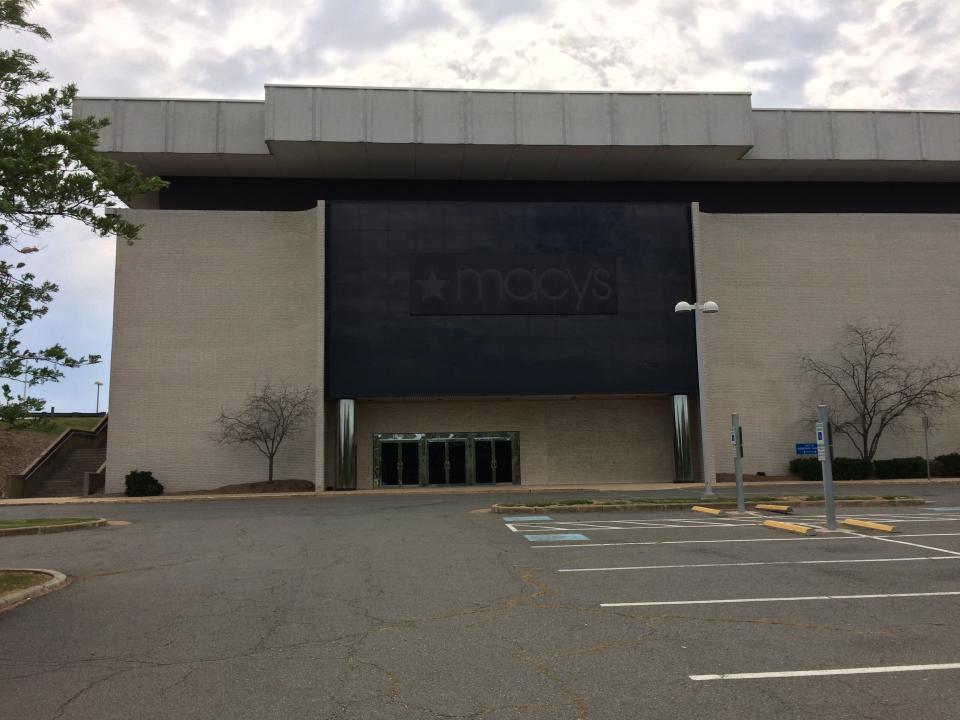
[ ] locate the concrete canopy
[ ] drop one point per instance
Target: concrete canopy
(353, 132)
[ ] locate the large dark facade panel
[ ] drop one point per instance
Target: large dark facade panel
(244, 193)
(395, 330)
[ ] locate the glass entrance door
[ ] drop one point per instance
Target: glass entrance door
(459, 458)
(493, 460)
(399, 463)
(446, 462)
(503, 461)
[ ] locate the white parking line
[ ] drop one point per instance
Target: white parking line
(848, 535)
(888, 518)
(700, 542)
(756, 564)
(733, 601)
(836, 671)
(558, 527)
(903, 542)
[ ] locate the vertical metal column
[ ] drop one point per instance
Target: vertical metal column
(825, 455)
(706, 445)
(736, 440)
(682, 445)
(346, 468)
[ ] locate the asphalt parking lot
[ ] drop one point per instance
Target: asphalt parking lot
(422, 607)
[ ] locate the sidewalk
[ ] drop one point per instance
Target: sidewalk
(682, 489)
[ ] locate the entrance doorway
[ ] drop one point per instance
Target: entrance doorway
(493, 461)
(400, 463)
(436, 459)
(447, 462)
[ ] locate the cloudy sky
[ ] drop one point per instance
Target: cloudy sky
(788, 53)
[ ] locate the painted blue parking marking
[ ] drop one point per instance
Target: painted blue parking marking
(946, 509)
(572, 537)
(526, 518)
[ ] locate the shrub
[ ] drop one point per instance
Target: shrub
(806, 468)
(948, 465)
(851, 468)
(141, 483)
(907, 467)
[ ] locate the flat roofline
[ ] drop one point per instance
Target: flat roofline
(152, 98)
(747, 93)
(855, 110)
(508, 90)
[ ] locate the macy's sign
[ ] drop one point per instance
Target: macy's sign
(488, 284)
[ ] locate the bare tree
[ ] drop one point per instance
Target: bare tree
(268, 417)
(870, 384)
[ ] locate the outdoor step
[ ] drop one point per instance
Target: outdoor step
(67, 476)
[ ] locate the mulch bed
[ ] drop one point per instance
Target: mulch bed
(277, 486)
(731, 477)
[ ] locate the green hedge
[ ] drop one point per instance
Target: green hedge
(808, 468)
(805, 468)
(894, 468)
(851, 469)
(947, 465)
(843, 468)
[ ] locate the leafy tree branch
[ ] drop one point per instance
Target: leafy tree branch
(49, 169)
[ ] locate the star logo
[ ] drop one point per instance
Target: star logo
(433, 287)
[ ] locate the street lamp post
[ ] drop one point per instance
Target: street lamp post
(709, 307)
(99, 385)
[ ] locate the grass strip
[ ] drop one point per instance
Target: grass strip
(718, 502)
(41, 522)
(11, 580)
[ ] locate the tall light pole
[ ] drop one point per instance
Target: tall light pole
(99, 385)
(709, 307)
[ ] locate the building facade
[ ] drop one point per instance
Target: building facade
(480, 285)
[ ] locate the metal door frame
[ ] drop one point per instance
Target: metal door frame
(423, 438)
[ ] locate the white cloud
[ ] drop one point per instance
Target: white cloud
(820, 52)
(903, 55)
(855, 53)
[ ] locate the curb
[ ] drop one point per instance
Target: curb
(49, 529)
(769, 507)
(470, 490)
(508, 509)
(12, 599)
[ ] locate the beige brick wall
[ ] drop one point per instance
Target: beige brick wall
(562, 441)
(208, 306)
(200, 320)
(786, 285)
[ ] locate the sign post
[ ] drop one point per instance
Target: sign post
(825, 455)
(736, 441)
(926, 443)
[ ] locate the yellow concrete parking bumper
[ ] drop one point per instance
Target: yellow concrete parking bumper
(789, 527)
(707, 510)
(867, 524)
